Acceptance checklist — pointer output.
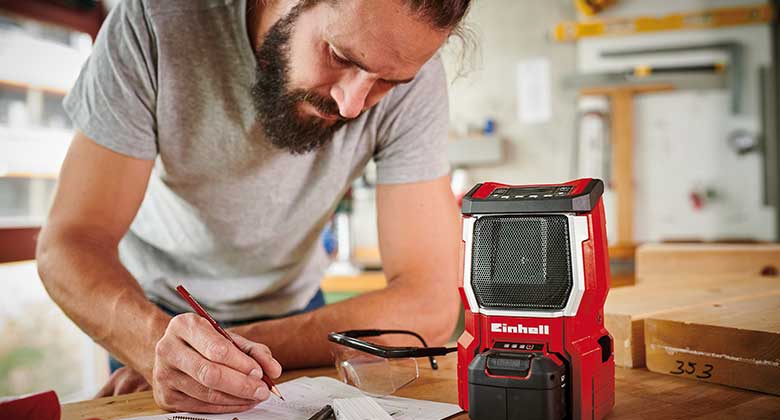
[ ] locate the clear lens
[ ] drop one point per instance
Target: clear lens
(376, 375)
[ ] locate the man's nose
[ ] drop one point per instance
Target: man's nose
(351, 92)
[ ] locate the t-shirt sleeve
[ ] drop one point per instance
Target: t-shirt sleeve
(114, 98)
(412, 136)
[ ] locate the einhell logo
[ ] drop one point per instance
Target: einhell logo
(519, 329)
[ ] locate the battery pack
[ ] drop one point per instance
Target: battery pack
(510, 385)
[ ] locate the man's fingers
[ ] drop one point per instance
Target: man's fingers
(222, 378)
(261, 353)
(201, 336)
(108, 389)
(178, 401)
(131, 382)
(187, 385)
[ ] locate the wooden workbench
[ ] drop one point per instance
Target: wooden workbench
(640, 395)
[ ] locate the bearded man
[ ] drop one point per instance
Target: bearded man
(214, 139)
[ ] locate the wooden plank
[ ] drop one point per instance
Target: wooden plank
(22, 86)
(622, 252)
(364, 282)
(622, 135)
(635, 88)
(698, 19)
(627, 307)
(30, 175)
(367, 257)
(660, 262)
(734, 342)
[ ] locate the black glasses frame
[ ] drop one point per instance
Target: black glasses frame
(352, 340)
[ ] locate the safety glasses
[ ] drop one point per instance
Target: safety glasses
(378, 369)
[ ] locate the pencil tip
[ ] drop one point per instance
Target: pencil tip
(276, 392)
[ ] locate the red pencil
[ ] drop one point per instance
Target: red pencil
(202, 312)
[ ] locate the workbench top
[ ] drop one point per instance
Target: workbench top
(640, 394)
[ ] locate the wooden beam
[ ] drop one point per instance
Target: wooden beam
(364, 282)
(658, 263)
(627, 307)
(734, 343)
(635, 88)
(621, 134)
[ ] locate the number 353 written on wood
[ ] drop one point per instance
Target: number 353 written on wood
(691, 368)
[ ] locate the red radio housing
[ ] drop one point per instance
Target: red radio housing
(516, 332)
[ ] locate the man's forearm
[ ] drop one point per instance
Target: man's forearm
(301, 340)
(87, 280)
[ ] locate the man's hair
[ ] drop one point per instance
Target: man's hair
(442, 14)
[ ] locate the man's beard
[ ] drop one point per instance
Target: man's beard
(277, 106)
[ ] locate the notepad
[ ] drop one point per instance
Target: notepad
(305, 396)
(359, 408)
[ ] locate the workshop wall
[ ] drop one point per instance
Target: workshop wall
(690, 182)
(509, 32)
(691, 155)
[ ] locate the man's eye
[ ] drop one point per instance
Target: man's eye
(340, 60)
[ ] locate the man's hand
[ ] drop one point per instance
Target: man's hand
(197, 369)
(123, 381)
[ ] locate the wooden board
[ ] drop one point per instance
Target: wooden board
(364, 282)
(639, 394)
(735, 342)
(627, 307)
(659, 262)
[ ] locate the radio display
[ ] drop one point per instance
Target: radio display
(540, 191)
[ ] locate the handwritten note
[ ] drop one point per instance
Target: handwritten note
(306, 396)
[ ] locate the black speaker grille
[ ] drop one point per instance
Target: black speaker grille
(521, 262)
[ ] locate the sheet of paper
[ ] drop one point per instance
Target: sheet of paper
(534, 103)
(306, 396)
(359, 408)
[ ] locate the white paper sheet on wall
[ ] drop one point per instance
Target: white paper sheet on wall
(533, 91)
(306, 396)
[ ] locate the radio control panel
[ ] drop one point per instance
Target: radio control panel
(530, 193)
(493, 198)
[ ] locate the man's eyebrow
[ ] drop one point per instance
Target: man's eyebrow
(352, 58)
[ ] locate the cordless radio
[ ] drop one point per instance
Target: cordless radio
(535, 278)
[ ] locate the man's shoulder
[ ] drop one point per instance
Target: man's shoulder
(165, 7)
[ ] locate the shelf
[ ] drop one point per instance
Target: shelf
(26, 86)
(364, 282)
(475, 151)
(29, 175)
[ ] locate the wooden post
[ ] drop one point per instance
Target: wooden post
(622, 137)
(621, 99)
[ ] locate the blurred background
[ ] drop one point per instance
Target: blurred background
(673, 104)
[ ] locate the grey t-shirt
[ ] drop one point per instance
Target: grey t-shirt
(228, 215)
